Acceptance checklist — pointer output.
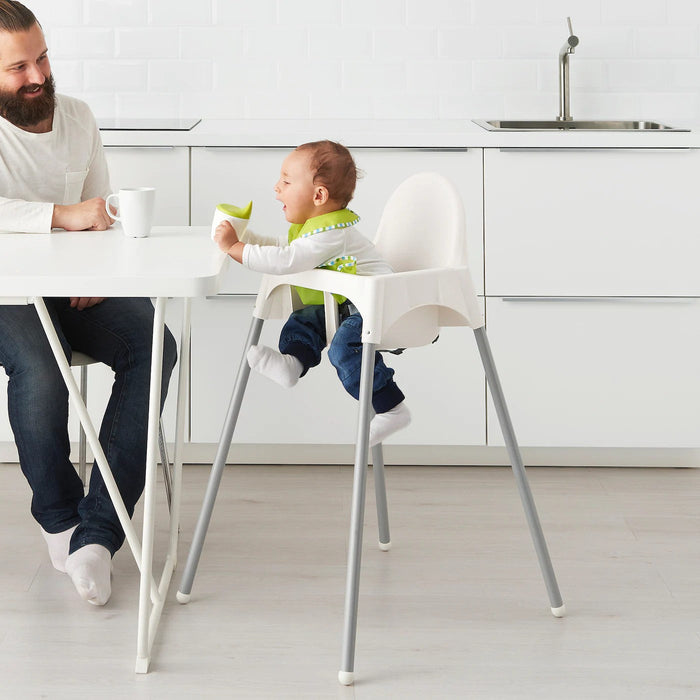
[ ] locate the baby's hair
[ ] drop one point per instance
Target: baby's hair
(334, 168)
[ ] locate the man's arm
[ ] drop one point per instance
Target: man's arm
(90, 215)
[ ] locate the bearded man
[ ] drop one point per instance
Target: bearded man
(53, 174)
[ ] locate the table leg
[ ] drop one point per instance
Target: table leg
(145, 638)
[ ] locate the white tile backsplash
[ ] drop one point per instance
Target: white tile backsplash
(110, 13)
(374, 59)
(154, 42)
(244, 13)
(667, 42)
(119, 76)
(438, 13)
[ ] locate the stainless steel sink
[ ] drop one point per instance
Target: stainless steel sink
(574, 124)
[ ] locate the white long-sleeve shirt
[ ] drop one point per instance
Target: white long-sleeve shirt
(277, 257)
(66, 165)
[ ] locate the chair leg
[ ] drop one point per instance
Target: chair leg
(558, 608)
(165, 464)
(380, 496)
(185, 590)
(352, 589)
(82, 444)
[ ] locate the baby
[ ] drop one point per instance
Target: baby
(317, 181)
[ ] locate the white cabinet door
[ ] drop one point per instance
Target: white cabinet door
(602, 222)
(237, 175)
(443, 384)
(384, 169)
(599, 372)
(316, 411)
(167, 169)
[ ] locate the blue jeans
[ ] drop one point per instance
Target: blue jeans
(304, 336)
(117, 332)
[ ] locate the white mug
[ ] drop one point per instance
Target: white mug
(223, 212)
(134, 210)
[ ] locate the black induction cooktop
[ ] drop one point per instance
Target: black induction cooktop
(147, 124)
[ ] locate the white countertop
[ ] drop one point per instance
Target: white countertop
(436, 134)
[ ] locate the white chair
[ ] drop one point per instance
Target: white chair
(79, 359)
(422, 235)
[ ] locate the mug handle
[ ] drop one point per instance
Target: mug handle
(114, 216)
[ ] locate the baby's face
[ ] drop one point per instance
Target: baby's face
(295, 188)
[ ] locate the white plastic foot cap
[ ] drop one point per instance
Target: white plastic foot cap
(346, 677)
(183, 598)
(560, 611)
(385, 546)
(142, 664)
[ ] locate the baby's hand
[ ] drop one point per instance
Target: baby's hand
(225, 236)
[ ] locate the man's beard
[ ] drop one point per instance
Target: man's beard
(24, 111)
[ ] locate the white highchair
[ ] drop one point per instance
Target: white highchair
(422, 236)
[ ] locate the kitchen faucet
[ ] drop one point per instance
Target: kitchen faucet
(564, 99)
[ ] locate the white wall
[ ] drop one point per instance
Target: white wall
(374, 59)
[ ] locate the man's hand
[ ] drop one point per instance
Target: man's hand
(81, 303)
(227, 240)
(86, 216)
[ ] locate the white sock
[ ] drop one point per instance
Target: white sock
(58, 544)
(385, 424)
(283, 369)
(90, 569)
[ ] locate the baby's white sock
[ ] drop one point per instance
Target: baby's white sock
(58, 544)
(385, 424)
(90, 569)
(283, 369)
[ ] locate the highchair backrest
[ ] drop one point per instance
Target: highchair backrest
(422, 225)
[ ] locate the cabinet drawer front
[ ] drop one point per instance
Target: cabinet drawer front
(237, 175)
(443, 383)
(166, 169)
(598, 373)
(592, 222)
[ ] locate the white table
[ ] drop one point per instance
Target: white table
(172, 262)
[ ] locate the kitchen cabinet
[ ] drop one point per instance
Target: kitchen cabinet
(443, 383)
(586, 258)
(446, 374)
(598, 372)
(603, 222)
(166, 168)
(591, 269)
(237, 175)
(384, 169)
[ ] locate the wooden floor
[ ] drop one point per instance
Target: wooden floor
(457, 608)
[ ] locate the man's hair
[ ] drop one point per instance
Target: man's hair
(334, 168)
(15, 17)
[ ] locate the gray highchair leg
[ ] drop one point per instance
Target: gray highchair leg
(380, 495)
(184, 592)
(352, 588)
(558, 608)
